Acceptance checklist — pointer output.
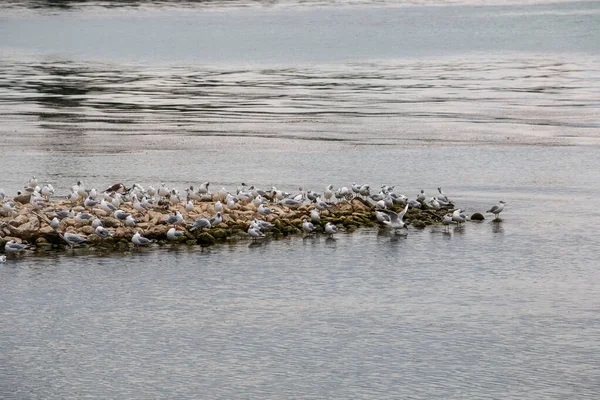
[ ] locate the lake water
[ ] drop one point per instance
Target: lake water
(488, 101)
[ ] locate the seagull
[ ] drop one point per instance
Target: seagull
(458, 217)
(13, 247)
(130, 221)
(262, 225)
(382, 216)
(328, 193)
(330, 228)
(108, 207)
(189, 206)
(173, 234)
(291, 203)
(442, 196)
(139, 240)
(307, 227)
(314, 215)
(47, 191)
(73, 239)
(447, 221)
(216, 220)
(162, 190)
(96, 223)
(203, 189)
(2, 258)
(137, 205)
(84, 217)
(414, 203)
(121, 215)
(255, 232)
(497, 209)
(364, 190)
(62, 214)
(434, 203)
(200, 224)
(8, 207)
(33, 182)
(421, 196)
(54, 223)
(103, 232)
(321, 205)
(264, 211)
(175, 219)
(396, 221)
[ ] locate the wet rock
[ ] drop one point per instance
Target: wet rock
(219, 233)
(205, 238)
(419, 224)
(276, 233)
(477, 217)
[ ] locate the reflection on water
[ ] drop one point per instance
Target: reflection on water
(533, 100)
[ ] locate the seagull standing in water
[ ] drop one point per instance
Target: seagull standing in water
(307, 227)
(330, 228)
(2, 258)
(447, 221)
(458, 217)
(396, 221)
(255, 232)
(497, 209)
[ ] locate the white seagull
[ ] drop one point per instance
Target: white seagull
(497, 209)
(139, 240)
(174, 234)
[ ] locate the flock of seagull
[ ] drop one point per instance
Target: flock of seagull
(141, 200)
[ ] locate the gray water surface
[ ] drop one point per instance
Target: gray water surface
(489, 102)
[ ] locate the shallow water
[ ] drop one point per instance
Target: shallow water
(491, 103)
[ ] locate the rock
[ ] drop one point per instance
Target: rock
(18, 220)
(419, 224)
(23, 199)
(359, 205)
(110, 222)
(88, 230)
(477, 217)
(205, 238)
(219, 233)
(157, 232)
(276, 233)
(26, 231)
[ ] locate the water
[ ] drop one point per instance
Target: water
(490, 102)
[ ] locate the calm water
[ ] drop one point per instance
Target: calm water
(490, 102)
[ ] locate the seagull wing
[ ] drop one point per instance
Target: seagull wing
(493, 209)
(401, 214)
(394, 217)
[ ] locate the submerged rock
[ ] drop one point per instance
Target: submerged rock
(477, 217)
